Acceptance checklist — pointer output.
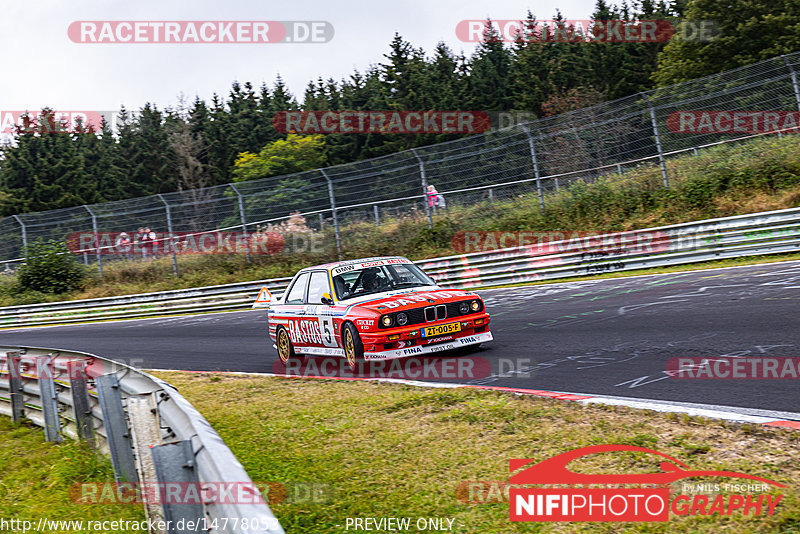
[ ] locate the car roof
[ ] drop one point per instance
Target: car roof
(329, 266)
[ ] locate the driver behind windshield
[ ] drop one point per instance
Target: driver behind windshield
(372, 281)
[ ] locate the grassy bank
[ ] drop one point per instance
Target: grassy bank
(36, 478)
(759, 175)
(387, 450)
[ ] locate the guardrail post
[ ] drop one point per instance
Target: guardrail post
(78, 379)
(15, 386)
(794, 80)
(535, 168)
(117, 433)
(335, 215)
(24, 235)
(171, 240)
(96, 241)
(377, 216)
(146, 434)
(658, 139)
(244, 222)
(47, 395)
(424, 181)
(174, 463)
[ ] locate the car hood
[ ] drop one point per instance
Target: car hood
(402, 299)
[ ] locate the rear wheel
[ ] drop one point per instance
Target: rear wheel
(285, 348)
(353, 347)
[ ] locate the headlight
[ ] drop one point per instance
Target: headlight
(402, 319)
(386, 320)
(463, 307)
(475, 305)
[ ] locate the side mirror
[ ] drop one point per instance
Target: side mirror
(326, 299)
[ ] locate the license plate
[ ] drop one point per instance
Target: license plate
(441, 330)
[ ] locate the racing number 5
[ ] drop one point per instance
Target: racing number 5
(326, 327)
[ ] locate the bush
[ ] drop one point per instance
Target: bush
(50, 268)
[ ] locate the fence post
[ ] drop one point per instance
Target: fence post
(171, 241)
(47, 395)
(24, 236)
(15, 386)
(116, 424)
(535, 167)
(794, 80)
(96, 241)
(76, 370)
(658, 140)
(377, 216)
(321, 221)
(424, 187)
(335, 216)
(244, 222)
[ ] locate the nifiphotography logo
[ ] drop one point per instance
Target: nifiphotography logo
(650, 502)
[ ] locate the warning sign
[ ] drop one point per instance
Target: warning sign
(263, 299)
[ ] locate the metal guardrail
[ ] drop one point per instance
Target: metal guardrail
(773, 232)
(203, 299)
(146, 426)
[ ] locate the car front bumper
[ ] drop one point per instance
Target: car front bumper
(416, 350)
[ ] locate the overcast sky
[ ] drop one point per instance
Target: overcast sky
(41, 66)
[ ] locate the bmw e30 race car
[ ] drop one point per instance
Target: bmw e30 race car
(373, 308)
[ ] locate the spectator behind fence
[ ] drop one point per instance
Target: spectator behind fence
(139, 242)
(123, 244)
(434, 198)
(150, 242)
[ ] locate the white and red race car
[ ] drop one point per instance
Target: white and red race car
(373, 308)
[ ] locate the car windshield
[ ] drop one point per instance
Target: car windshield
(377, 279)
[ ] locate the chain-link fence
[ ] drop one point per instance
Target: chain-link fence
(536, 157)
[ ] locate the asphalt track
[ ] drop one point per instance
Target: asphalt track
(603, 337)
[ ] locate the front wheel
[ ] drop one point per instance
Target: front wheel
(353, 347)
(285, 348)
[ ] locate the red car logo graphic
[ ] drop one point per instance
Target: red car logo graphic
(554, 470)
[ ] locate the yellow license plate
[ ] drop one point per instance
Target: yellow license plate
(441, 330)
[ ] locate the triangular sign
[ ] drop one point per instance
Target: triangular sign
(263, 299)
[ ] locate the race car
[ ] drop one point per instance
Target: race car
(373, 308)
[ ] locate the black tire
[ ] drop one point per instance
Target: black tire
(353, 347)
(284, 344)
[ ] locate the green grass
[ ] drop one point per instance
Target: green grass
(758, 175)
(388, 450)
(38, 479)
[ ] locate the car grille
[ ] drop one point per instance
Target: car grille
(430, 314)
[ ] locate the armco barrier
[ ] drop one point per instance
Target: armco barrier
(146, 426)
(772, 232)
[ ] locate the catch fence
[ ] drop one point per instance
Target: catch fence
(538, 157)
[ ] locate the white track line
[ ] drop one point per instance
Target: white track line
(727, 413)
